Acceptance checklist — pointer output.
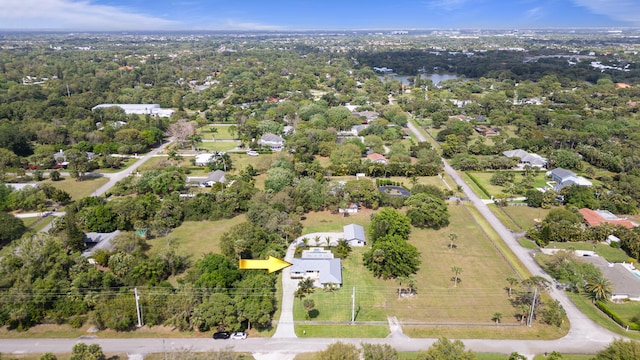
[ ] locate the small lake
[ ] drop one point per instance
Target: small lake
(436, 78)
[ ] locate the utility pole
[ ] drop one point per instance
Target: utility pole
(135, 291)
(353, 306)
(533, 305)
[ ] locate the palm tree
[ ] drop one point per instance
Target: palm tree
(194, 140)
(452, 238)
(599, 288)
(497, 316)
(233, 130)
(456, 275)
(512, 281)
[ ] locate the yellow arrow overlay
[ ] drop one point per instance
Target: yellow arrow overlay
(272, 264)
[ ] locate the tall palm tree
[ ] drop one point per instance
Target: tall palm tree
(512, 281)
(599, 288)
(452, 237)
(456, 275)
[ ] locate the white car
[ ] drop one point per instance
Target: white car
(239, 336)
(252, 153)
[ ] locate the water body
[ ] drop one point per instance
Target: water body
(436, 78)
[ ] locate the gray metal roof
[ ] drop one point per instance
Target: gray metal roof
(330, 270)
(562, 173)
(354, 232)
(269, 137)
(216, 176)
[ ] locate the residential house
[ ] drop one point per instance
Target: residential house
(377, 158)
(597, 217)
(204, 159)
(61, 158)
(354, 235)
(273, 141)
(319, 265)
(351, 209)
(564, 177)
(487, 130)
(213, 178)
(368, 116)
(527, 158)
(354, 131)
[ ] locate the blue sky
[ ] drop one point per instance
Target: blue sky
(312, 15)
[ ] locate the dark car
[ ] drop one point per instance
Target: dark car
(221, 335)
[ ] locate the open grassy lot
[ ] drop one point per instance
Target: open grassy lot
(260, 163)
(218, 145)
(325, 221)
(604, 250)
(222, 132)
(519, 218)
(78, 189)
(480, 293)
(485, 179)
(195, 238)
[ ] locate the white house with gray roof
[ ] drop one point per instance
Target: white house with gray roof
(564, 177)
(273, 141)
(213, 178)
(319, 265)
(527, 158)
(354, 235)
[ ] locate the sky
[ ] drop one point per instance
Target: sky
(292, 15)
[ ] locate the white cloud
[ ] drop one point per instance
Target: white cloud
(75, 15)
(535, 13)
(622, 10)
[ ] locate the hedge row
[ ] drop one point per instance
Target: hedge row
(475, 181)
(632, 325)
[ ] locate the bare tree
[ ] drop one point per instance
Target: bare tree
(181, 131)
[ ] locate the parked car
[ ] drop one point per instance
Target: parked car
(221, 335)
(239, 336)
(252, 153)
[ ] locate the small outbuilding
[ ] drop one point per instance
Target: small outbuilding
(354, 235)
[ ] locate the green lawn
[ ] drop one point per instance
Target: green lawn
(222, 133)
(324, 221)
(195, 238)
(629, 310)
(78, 189)
(519, 218)
(485, 179)
(604, 250)
(218, 145)
(528, 244)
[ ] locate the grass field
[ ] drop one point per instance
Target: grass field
(629, 310)
(485, 179)
(78, 189)
(195, 238)
(218, 145)
(324, 221)
(604, 250)
(222, 133)
(519, 218)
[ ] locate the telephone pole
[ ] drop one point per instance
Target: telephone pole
(353, 306)
(135, 291)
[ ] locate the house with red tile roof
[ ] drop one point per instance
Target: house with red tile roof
(597, 217)
(377, 158)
